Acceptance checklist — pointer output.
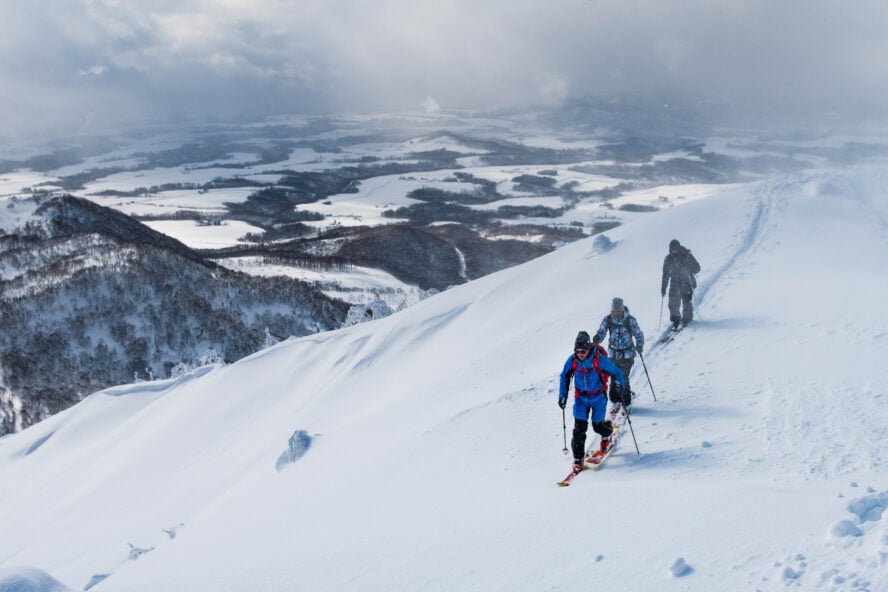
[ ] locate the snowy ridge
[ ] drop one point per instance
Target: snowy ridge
(740, 485)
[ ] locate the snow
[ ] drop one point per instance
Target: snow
(355, 284)
(132, 180)
(14, 212)
(552, 201)
(544, 141)
(436, 440)
(439, 142)
(205, 236)
(376, 195)
(679, 567)
(666, 195)
(16, 182)
(168, 202)
(29, 579)
(683, 154)
(590, 211)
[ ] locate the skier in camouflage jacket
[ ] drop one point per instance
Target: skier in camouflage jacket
(623, 329)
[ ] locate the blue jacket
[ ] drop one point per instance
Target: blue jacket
(622, 330)
(585, 377)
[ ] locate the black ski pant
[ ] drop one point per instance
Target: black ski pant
(618, 394)
(680, 307)
(578, 441)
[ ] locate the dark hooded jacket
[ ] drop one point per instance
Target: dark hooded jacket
(680, 268)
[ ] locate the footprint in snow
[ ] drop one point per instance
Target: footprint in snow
(792, 569)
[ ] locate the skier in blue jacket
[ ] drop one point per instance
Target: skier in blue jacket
(588, 367)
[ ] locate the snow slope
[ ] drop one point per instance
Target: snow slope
(430, 440)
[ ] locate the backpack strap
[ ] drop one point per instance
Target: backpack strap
(602, 375)
(611, 325)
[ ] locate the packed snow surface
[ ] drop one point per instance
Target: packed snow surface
(436, 441)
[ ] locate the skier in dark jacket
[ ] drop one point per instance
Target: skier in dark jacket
(623, 329)
(679, 269)
(587, 366)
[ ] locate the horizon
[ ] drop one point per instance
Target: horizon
(101, 64)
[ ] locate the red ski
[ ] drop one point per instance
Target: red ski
(575, 471)
(594, 459)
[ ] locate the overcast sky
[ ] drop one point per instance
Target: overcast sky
(77, 64)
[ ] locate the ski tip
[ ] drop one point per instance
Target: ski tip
(563, 484)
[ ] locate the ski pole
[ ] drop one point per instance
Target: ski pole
(632, 431)
(660, 322)
(564, 428)
(643, 365)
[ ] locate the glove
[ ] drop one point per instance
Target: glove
(562, 402)
(596, 339)
(639, 348)
(627, 397)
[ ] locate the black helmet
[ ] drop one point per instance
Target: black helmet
(582, 341)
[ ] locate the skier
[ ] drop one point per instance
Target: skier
(679, 269)
(588, 366)
(623, 328)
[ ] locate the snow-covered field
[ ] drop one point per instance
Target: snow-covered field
(355, 284)
(203, 236)
(169, 202)
(426, 446)
(376, 195)
(15, 183)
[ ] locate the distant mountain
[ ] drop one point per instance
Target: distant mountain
(90, 297)
(644, 116)
(433, 256)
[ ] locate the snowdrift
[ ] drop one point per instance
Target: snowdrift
(421, 451)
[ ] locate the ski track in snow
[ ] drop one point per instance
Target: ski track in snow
(750, 238)
(778, 403)
(778, 412)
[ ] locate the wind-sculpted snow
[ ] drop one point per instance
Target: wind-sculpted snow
(870, 507)
(38, 443)
(602, 244)
(29, 579)
(761, 463)
(95, 580)
(297, 446)
(157, 386)
(680, 568)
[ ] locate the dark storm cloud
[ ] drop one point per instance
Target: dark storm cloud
(79, 63)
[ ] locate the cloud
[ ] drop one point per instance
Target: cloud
(69, 61)
(92, 71)
(430, 105)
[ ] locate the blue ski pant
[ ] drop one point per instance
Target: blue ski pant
(583, 406)
(596, 404)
